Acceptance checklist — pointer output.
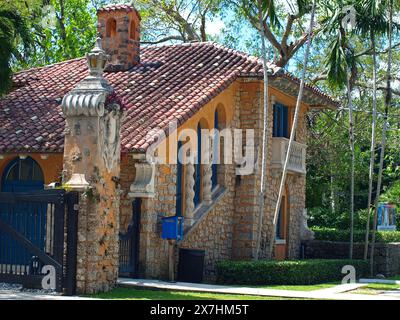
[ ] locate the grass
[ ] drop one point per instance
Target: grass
(311, 287)
(123, 293)
(377, 288)
(138, 294)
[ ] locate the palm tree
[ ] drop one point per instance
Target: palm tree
(388, 101)
(293, 131)
(341, 71)
(371, 21)
(14, 34)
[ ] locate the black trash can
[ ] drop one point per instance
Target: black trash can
(191, 265)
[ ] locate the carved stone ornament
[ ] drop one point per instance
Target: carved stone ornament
(77, 182)
(143, 186)
(110, 144)
(305, 232)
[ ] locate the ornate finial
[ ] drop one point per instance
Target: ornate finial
(89, 96)
(97, 59)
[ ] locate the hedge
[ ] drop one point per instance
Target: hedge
(331, 234)
(290, 272)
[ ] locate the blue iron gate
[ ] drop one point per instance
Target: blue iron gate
(32, 229)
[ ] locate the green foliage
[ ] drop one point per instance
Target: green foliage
(332, 234)
(13, 33)
(322, 217)
(392, 194)
(70, 35)
(290, 272)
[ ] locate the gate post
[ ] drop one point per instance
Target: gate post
(92, 166)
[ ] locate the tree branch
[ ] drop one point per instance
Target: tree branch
(169, 38)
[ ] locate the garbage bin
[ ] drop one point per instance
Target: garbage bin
(191, 265)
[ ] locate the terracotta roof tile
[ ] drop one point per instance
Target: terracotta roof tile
(171, 82)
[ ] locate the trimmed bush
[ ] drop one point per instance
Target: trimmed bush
(290, 272)
(331, 234)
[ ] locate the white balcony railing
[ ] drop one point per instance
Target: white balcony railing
(297, 159)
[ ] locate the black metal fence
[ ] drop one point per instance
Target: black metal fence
(36, 229)
(129, 244)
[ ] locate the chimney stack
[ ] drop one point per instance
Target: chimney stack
(119, 28)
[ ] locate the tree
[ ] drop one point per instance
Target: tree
(287, 40)
(342, 72)
(15, 43)
(388, 101)
(371, 21)
(176, 20)
(70, 34)
(293, 131)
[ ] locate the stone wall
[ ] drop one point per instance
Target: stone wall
(248, 111)
(295, 191)
(387, 255)
(214, 233)
(127, 177)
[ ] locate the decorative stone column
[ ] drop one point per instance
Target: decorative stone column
(92, 164)
(189, 189)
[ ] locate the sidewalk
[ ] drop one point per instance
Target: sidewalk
(21, 295)
(335, 293)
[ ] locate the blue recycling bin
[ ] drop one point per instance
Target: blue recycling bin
(172, 228)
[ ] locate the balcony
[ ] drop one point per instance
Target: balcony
(297, 160)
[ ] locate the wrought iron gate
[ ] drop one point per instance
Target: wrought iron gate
(129, 244)
(38, 228)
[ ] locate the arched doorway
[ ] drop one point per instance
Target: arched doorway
(29, 219)
(22, 175)
(282, 229)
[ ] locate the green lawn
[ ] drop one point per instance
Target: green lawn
(138, 294)
(377, 288)
(301, 287)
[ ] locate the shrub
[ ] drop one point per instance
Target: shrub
(332, 234)
(290, 272)
(319, 217)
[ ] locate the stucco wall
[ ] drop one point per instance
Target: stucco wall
(50, 163)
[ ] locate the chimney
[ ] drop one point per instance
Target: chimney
(119, 28)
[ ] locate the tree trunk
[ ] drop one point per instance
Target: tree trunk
(292, 133)
(388, 101)
(351, 137)
(264, 154)
(372, 158)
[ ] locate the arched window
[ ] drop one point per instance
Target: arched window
(218, 165)
(132, 30)
(214, 165)
(198, 171)
(111, 28)
(22, 175)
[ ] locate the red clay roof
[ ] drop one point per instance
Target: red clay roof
(118, 7)
(171, 83)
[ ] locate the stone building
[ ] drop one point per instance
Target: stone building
(195, 85)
